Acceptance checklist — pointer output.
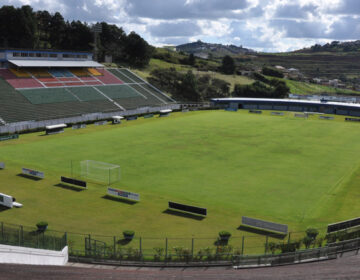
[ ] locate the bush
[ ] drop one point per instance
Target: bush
(312, 233)
(289, 247)
(128, 234)
(224, 233)
(272, 72)
(42, 226)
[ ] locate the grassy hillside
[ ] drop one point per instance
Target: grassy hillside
(307, 88)
(329, 65)
(281, 169)
(157, 63)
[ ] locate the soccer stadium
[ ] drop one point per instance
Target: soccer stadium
(113, 170)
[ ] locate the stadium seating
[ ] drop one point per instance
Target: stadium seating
(79, 72)
(87, 93)
(39, 73)
(94, 72)
(131, 75)
(121, 76)
(57, 95)
(107, 78)
(16, 82)
(60, 73)
(20, 73)
(15, 107)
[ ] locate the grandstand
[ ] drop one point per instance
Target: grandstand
(62, 84)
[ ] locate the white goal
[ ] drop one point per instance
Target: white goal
(100, 172)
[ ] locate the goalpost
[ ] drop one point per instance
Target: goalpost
(100, 172)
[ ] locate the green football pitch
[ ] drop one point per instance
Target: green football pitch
(300, 172)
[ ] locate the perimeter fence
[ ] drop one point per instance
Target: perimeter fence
(241, 251)
(194, 249)
(31, 237)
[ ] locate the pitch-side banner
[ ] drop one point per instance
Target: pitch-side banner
(124, 194)
(35, 173)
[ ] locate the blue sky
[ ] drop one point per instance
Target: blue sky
(266, 25)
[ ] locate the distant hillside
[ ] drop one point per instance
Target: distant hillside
(202, 49)
(334, 46)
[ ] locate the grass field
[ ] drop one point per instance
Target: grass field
(303, 88)
(283, 169)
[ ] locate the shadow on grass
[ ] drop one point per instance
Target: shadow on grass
(219, 242)
(68, 187)
(123, 242)
(262, 232)
(119, 199)
(29, 177)
(183, 214)
(3, 208)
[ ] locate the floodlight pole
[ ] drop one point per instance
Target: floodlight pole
(97, 28)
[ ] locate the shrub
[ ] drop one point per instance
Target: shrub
(272, 246)
(42, 226)
(272, 72)
(224, 233)
(312, 233)
(128, 234)
(307, 241)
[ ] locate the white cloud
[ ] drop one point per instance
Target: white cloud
(267, 25)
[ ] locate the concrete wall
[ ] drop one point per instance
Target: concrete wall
(23, 255)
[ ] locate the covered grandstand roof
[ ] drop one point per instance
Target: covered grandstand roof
(294, 101)
(54, 63)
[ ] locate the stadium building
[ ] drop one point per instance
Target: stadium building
(337, 108)
(42, 87)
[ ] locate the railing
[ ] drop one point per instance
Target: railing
(135, 257)
(17, 235)
(331, 251)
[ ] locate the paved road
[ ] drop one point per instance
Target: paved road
(347, 267)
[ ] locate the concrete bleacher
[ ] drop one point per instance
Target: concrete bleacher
(121, 76)
(20, 73)
(39, 73)
(94, 72)
(14, 107)
(60, 73)
(79, 72)
(118, 91)
(87, 93)
(16, 82)
(108, 78)
(57, 96)
(131, 75)
(46, 95)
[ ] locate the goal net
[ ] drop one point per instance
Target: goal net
(100, 172)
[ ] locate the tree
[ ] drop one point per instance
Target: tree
(191, 59)
(57, 29)
(188, 88)
(228, 65)
(272, 72)
(138, 51)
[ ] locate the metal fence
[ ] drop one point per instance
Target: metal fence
(18, 235)
(33, 125)
(219, 256)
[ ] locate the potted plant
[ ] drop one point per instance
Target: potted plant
(42, 226)
(224, 235)
(128, 234)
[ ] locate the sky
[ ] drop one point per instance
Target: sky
(262, 25)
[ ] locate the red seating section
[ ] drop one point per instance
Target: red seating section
(19, 82)
(107, 78)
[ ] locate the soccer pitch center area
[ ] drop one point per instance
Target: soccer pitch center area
(300, 172)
